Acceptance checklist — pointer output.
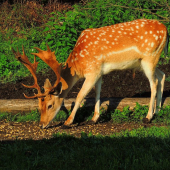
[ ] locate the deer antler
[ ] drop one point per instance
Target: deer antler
(50, 59)
(32, 67)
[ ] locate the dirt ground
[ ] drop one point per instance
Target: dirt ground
(115, 84)
(31, 130)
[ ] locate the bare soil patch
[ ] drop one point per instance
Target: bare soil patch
(31, 130)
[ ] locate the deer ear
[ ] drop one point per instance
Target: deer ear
(58, 89)
(47, 85)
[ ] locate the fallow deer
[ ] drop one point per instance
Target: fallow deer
(130, 45)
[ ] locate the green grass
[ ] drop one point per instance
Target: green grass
(85, 113)
(144, 148)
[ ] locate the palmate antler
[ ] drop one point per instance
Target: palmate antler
(49, 58)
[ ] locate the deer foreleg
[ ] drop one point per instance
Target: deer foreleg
(87, 86)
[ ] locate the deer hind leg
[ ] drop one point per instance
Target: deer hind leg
(97, 100)
(150, 74)
(87, 86)
(161, 79)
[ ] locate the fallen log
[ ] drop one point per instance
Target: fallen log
(26, 105)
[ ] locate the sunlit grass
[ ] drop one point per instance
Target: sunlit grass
(85, 113)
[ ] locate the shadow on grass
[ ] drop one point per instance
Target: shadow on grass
(127, 151)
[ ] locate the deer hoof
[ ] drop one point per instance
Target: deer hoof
(146, 120)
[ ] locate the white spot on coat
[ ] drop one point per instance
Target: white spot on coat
(85, 52)
(100, 57)
(131, 28)
(152, 44)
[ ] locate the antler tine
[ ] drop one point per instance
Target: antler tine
(48, 48)
(30, 97)
(32, 67)
(38, 49)
(36, 95)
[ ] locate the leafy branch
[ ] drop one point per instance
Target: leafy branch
(166, 19)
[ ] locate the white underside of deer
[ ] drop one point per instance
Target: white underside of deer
(133, 45)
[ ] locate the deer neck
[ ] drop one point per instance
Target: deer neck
(68, 80)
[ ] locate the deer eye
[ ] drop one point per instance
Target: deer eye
(49, 106)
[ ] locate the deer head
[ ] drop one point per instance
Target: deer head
(49, 103)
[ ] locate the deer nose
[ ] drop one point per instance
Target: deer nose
(43, 125)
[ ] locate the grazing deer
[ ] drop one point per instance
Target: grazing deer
(131, 45)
